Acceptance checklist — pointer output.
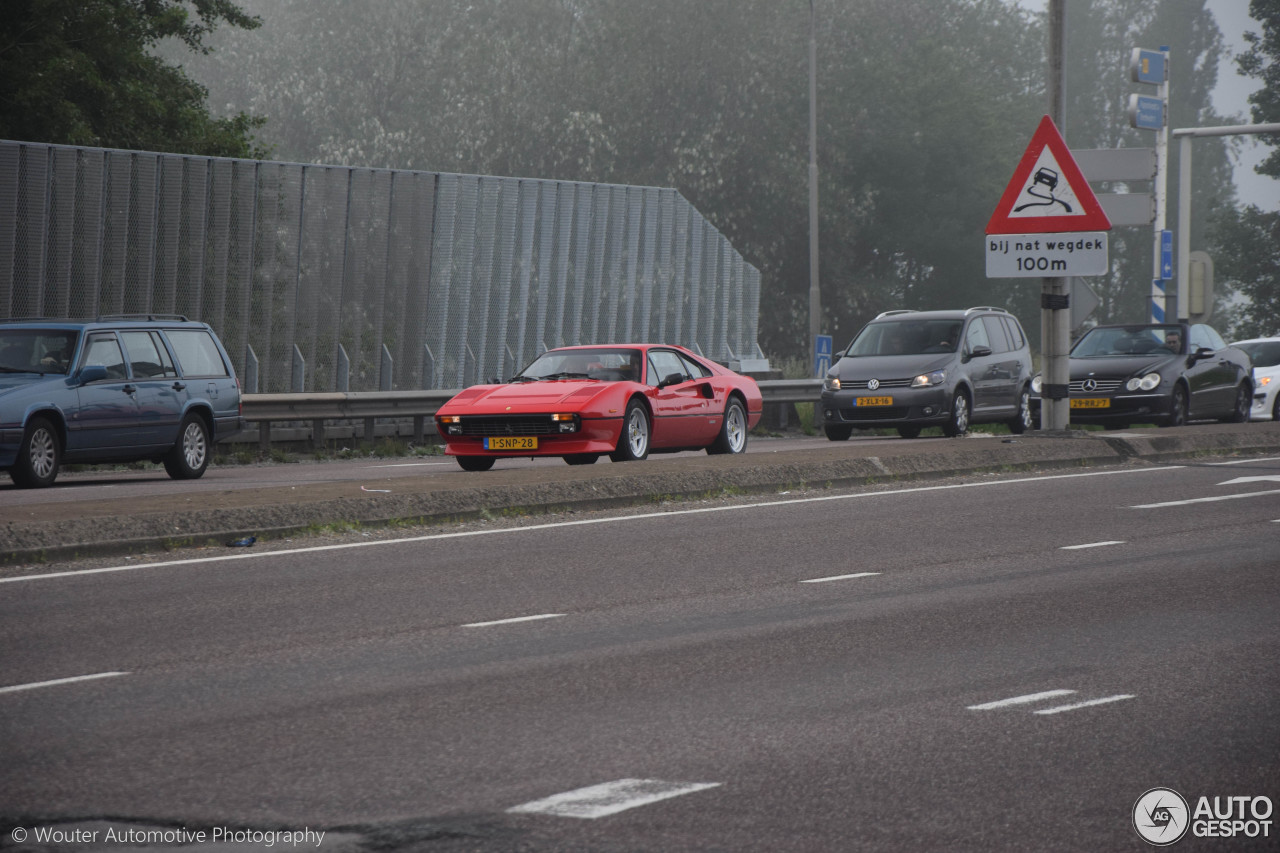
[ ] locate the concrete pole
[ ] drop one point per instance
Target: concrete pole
(1055, 308)
(815, 293)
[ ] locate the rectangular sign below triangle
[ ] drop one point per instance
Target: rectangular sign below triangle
(1048, 193)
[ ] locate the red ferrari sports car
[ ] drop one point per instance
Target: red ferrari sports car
(626, 400)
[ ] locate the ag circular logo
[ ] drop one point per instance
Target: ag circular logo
(1161, 816)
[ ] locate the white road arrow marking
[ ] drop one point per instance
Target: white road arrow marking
(1275, 478)
(610, 798)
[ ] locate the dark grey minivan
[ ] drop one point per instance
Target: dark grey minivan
(912, 369)
(113, 389)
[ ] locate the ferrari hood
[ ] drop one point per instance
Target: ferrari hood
(524, 396)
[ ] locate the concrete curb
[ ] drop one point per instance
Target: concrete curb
(96, 528)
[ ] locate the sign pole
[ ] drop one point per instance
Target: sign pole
(1055, 304)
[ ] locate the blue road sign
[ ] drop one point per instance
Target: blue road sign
(821, 354)
(1147, 66)
(1146, 113)
(1166, 255)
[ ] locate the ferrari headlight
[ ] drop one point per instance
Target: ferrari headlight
(928, 380)
(567, 421)
(451, 424)
(1144, 383)
(830, 382)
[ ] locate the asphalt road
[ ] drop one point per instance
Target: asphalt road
(826, 670)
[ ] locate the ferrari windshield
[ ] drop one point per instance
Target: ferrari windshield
(906, 337)
(36, 350)
(1128, 341)
(606, 364)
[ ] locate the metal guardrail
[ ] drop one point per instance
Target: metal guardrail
(368, 406)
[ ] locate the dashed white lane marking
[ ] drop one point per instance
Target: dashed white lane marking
(37, 684)
(1020, 700)
(842, 577)
(1207, 500)
(513, 620)
(610, 798)
(1091, 545)
(1087, 704)
(508, 531)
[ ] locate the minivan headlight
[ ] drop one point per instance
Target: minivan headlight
(831, 382)
(1145, 383)
(928, 380)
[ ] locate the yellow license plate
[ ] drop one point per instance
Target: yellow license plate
(1091, 403)
(516, 443)
(873, 401)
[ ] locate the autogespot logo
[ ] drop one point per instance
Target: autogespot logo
(1161, 817)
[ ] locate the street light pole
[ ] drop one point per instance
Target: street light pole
(815, 294)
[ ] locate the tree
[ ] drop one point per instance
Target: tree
(81, 73)
(1262, 60)
(1247, 242)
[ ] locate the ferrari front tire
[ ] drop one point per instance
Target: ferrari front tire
(475, 463)
(633, 444)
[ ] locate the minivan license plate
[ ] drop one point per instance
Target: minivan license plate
(514, 443)
(873, 401)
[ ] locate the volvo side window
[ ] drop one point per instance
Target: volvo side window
(148, 358)
(197, 353)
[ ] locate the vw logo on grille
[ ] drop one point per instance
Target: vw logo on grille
(873, 384)
(1090, 385)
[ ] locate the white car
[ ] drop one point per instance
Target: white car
(1265, 354)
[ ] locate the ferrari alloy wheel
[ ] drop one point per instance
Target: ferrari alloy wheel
(733, 430)
(633, 444)
(1022, 422)
(1244, 399)
(475, 463)
(37, 464)
(189, 457)
(1178, 407)
(958, 424)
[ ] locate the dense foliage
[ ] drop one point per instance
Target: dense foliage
(80, 72)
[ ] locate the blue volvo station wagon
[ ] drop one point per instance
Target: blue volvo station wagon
(112, 390)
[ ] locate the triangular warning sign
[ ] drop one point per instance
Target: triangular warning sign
(1048, 193)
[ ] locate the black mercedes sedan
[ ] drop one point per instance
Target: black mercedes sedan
(1159, 373)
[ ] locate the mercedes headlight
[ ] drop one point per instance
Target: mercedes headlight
(1144, 383)
(1035, 385)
